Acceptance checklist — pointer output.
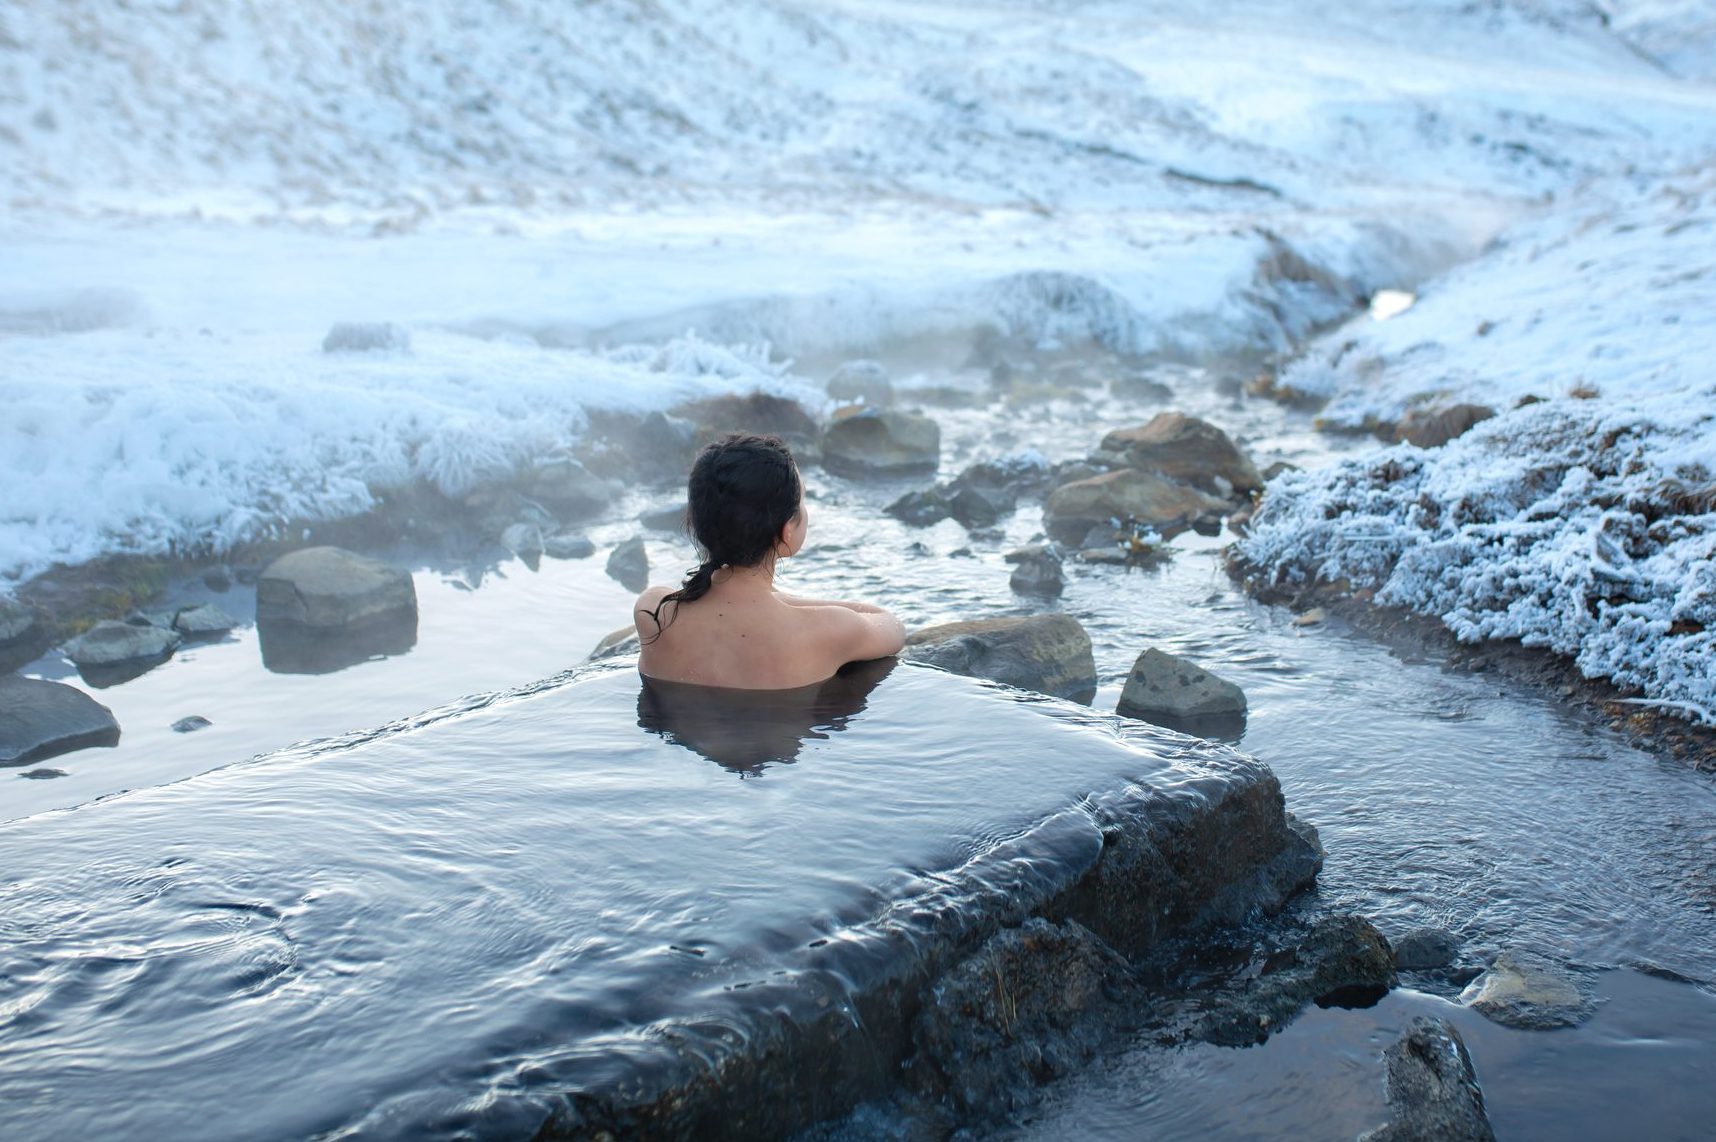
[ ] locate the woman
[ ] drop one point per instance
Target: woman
(727, 625)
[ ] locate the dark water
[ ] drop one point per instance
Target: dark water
(410, 931)
(1443, 797)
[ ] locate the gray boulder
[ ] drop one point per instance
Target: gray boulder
(1530, 993)
(328, 588)
(864, 443)
(1187, 449)
(40, 719)
(366, 337)
(1050, 654)
(1433, 1093)
(21, 635)
(1143, 497)
(865, 382)
(1423, 949)
(567, 545)
(629, 563)
(670, 517)
(1343, 961)
(524, 540)
(1162, 685)
(1037, 571)
(117, 644)
(203, 622)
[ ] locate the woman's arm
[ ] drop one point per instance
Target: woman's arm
(849, 635)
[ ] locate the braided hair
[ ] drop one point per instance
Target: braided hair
(743, 491)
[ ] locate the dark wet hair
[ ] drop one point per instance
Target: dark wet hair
(743, 491)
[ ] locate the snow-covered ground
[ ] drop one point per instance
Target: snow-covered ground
(617, 204)
(1583, 520)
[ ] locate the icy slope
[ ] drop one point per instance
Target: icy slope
(1585, 523)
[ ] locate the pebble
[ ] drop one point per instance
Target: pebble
(191, 724)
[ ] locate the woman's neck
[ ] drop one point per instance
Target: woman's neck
(759, 579)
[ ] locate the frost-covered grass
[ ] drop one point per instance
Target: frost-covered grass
(1584, 523)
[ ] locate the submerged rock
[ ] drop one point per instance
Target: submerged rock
(1050, 654)
(1037, 571)
(366, 337)
(1142, 497)
(204, 621)
(40, 719)
(1343, 962)
(863, 442)
(111, 644)
(331, 588)
(629, 564)
(1433, 1093)
(865, 382)
(1187, 449)
(191, 724)
(1530, 993)
(524, 540)
(615, 644)
(1423, 949)
(1432, 428)
(1169, 690)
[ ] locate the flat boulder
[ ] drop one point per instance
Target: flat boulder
(568, 545)
(1168, 690)
(1188, 449)
(204, 621)
(564, 485)
(40, 719)
(1050, 653)
(329, 588)
(1143, 497)
(114, 644)
(1433, 1093)
(1531, 994)
(870, 443)
(1424, 949)
(1434, 427)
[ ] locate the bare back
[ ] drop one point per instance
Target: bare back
(750, 637)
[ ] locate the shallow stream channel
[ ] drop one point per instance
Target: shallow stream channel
(1444, 798)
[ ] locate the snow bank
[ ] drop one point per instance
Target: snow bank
(1585, 522)
(235, 436)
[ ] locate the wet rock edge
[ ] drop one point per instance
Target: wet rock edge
(1136, 866)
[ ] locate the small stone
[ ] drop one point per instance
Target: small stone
(43, 774)
(1185, 448)
(1432, 428)
(1530, 993)
(218, 578)
(205, 620)
(366, 337)
(111, 643)
(1038, 572)
(1141, 498)
(1310, 618)
(669, 518)
(22, 636)
(616, 643)
(1169, 690)
(568, 545)
(1433, 1093)
(629, 564)
(920, 508)
(191, 724)
(1424, 948)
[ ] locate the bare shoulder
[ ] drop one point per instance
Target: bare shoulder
(647, 604)
(846, 635)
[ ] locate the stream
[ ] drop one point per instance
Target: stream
(1443, 797)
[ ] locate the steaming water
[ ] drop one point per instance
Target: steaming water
(1443, 797)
